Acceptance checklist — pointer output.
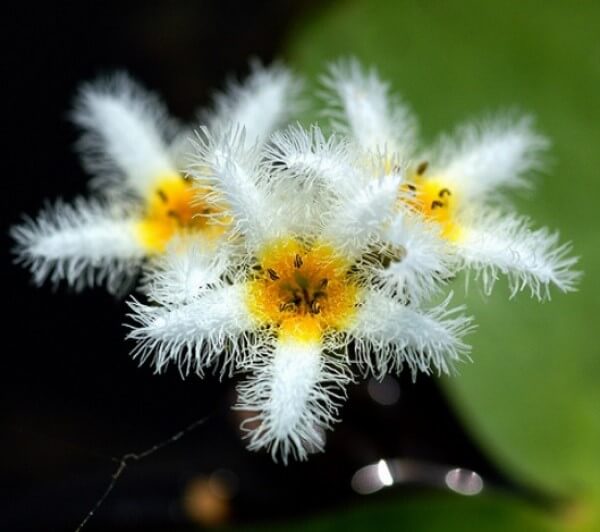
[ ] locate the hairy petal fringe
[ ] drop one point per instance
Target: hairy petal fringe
(482, 157)
(307, 155)
(355, 221)
(190, 266)
(238, 182)
(126, 134)
(212, 329)
(296, 392)
(262, 102)
(86, 244)
(389, 335)
(420, 259)
(497, 244)
(360, 106)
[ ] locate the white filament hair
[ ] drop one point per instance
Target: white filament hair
(389, 334)
(357, 219)
(126, 131)
(86, 244)
(308, 174)
(297, 207)
(362, 107)
(194, 334)
(420, 259)
(306, 155)
(237, 178)
(190, 266)
(296, 392)
(497, 244)
(481, 158)
(263, 102)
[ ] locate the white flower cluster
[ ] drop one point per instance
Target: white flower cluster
(299, 258)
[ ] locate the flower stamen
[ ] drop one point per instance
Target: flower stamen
(433, 199)
(301, 290)
(173, 206)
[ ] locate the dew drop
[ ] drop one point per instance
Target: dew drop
(464, 481)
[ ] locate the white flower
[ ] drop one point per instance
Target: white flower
(456, 186)
(360, 106)
(412, 258)
(144, 201)
(301, 289)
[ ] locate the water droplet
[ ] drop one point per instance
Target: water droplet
(464, 481)
(384, 473)
(372, 478)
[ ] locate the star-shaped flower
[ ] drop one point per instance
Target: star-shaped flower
(301, 288)
(142, 200)
(457, 185)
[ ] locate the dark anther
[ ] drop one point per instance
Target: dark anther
(444, 192)
(436, 203)
(319, 295)
(422, 167)
(385, 261)
(298, 261)
(410, 187)
(162, 195)
(289, 306)
(272, 274)
(315, 307)
(323, 283)
(257, 267)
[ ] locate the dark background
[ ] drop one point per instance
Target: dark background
(73, 400)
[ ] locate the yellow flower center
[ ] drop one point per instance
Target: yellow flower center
(175, 207)
(434, 200)
(302, 291)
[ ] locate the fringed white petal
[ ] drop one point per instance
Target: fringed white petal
(237, 179)
(126, 134)
(358, 219)
(298, 207)
(480, 158)
(417, 259)
(188, 268)
(263, 102)
(362, 108)
(307, 155)
(85, 244)
(308, 174)
(210, 329)
(530, 258)
(296, 392)
(389, 334)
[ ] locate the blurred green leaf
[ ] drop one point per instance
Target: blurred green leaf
(427, 513)
(532, 394)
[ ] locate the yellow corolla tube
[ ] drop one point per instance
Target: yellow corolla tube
(302, 291)
(175, 206)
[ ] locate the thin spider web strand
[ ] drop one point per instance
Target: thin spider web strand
(127, 458)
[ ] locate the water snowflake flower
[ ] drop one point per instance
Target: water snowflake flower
(457, 185)
(297, 259)
(143, 202)
(301, 289)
